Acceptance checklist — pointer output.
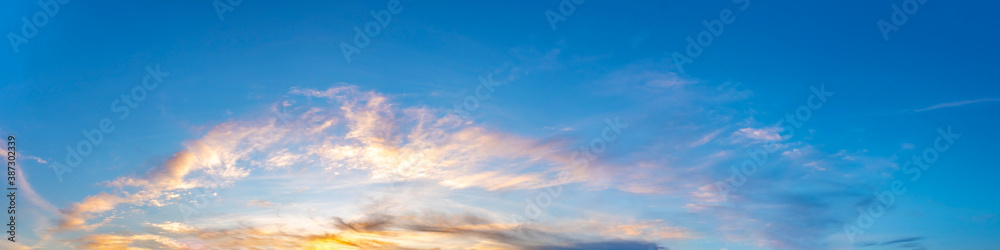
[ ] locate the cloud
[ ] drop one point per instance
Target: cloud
(361, 130)
(957, 104)
(39, 160)
(417, 143)
(609, 245)
(173, 227)
(156, 185)
(142, 241)
(259, 203)
(169, 176)
(424, 230)
(760, 134)
(75, 216)
(645, 77)
(705, 139)
(648, 230)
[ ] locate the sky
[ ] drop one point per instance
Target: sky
(573, 124)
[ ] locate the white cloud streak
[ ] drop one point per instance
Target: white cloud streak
(957, 104)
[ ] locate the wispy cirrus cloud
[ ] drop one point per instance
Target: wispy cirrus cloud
(957, 104)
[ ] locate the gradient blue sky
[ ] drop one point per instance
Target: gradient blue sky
(312, 149)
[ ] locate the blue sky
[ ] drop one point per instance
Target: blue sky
(471, 125)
